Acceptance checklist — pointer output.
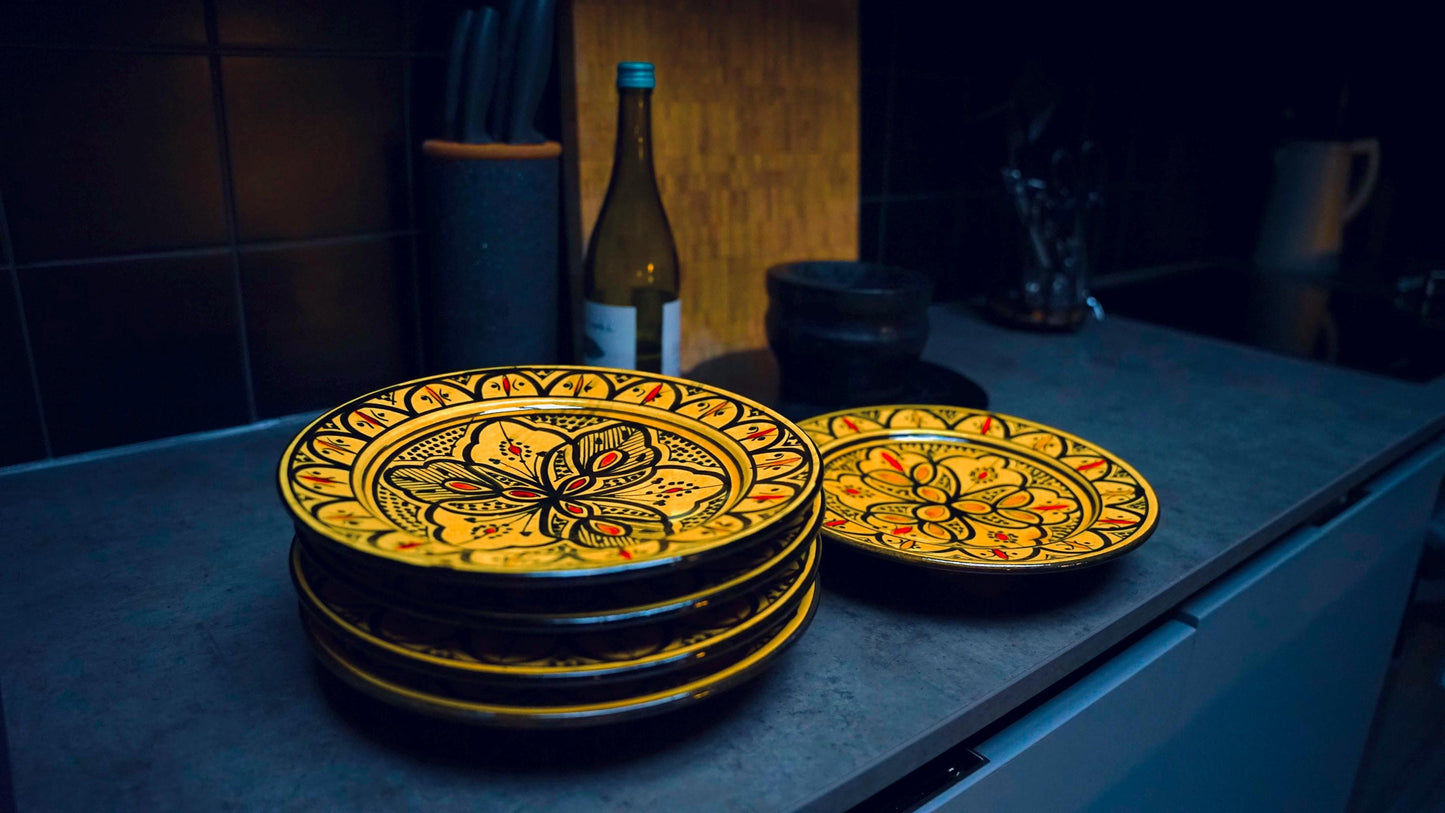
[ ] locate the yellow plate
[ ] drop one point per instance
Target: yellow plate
(962, 489)
(672, 594)
(437, 703)
(477, 652)
(546, 473)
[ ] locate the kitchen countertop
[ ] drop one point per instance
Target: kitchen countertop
(151, 654)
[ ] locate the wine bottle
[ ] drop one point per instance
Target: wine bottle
(632, 314)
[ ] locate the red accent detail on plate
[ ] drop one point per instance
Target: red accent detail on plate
(719, 408)
(607, 460)
(576, 483)
(1000, 554)
(514, 449)
(409, 545)
(987, 422)
(1049, 507)
(506, 385)
(367, 418)
(623, 553)
(328, 444)
(836, 522)
(672, 490)
(1118, 521)
(760, 433)
(766, 497)
(1094, 465)
(490, 531)
(610, 530)
(522, 493)
(434, 396)
(318, 479)
(903, 530)
(574, 509)
(458, 485)
(892, 461)
(852, 492)
(852, 425)
(652, 395)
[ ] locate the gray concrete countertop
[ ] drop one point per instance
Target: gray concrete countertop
(151, 656)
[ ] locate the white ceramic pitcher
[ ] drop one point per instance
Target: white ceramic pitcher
(1311, 201)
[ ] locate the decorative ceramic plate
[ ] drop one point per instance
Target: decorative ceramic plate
(546, 473)
(440, 698)
(672, 594)
(957, 488)
(475, 652)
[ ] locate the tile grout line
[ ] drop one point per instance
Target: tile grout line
(888, 109)
(228, 201)
(214, 48)
(24, 324)
(122, 258)
(321, 242)
(407, 136)
(181, 253)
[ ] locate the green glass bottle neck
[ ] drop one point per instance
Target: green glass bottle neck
(633, 159)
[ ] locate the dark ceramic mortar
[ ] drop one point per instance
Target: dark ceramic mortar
(846, 330)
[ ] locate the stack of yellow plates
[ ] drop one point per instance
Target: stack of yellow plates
(552, 546)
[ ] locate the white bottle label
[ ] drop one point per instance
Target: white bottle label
(609, 335)
(672, 337)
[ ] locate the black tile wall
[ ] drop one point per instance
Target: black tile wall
(317, 146)
(102, 22)
(329, 24)
(874, 118)
(206, 210)
(324, 321)
(108, 153)
(430, 25)
(19, 413)
(134, 350)
(1187, 130)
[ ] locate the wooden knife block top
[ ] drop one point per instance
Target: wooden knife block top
(755, 142)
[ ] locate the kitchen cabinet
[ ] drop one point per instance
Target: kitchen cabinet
(1256, 694)
(1085, 739)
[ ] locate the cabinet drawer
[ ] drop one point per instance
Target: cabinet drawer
(1063, 754)
(1273, 598)
(1289, 655)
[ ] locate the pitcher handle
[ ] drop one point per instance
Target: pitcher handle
(1369, 149)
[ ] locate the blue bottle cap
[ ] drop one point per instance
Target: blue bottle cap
(635, 75)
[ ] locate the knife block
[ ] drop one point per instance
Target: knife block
(490, 290)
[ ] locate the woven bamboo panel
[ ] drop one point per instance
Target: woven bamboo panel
(755, 134)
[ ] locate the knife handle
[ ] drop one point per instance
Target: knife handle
(481, 78)
(532, 62)
(511, 12)
(452, 98)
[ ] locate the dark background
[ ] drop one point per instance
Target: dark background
(208, 207)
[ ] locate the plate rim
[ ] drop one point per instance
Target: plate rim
(473, 574)
(618, 618)
(476, 713)
(659, 662)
